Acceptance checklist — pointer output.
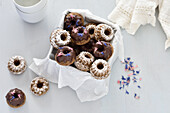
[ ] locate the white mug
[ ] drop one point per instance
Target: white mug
(31, 11)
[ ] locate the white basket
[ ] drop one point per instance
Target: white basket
(87, 87)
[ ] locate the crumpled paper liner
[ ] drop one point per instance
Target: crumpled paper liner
(87, 87)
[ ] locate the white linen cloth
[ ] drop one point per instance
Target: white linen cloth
(131, 14)
(87, 87)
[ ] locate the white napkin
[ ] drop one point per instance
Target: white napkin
(164, 18)
(130, 14)
(87, 87)
(122, 15)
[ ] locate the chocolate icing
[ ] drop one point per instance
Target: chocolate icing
(76, 48)
(80, 35)
(15, 97)
(65, 55)
(89, 47)
(73, 20)
(103, 50)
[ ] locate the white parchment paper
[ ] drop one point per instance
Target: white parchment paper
(86, 87)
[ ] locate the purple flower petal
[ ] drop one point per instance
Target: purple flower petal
(128, 58)
(127, 92)
(139, 87)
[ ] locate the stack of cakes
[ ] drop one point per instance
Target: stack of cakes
(85, 46)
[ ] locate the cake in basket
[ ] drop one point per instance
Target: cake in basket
(85, 46)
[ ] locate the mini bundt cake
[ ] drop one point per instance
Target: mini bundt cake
(39, 86)
(84, 61)
(104, 32)
(100, 69)
(103, 50)
(73, 20)
(80, 35)
(17, 65)
(15, 98)
(91, 30)
(65, 56)
(60, 37)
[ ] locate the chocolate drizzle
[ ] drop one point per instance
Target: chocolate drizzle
(80, 35)
(15, 97)
(76, 48)
(103, 50)
(73, 20)
(65, 55)
(89, 47)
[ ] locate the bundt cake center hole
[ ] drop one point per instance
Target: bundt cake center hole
(66, 51)
(100, 48)
(107, 32)
(87, 56)
(40, 85)
(16, 62)
(15, 95)
(91, 31)
(100, 66)
(81, 30)
(73, 22)
(63, 37)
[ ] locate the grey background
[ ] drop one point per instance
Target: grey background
(32, 40)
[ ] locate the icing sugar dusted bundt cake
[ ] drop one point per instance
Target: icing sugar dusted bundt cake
(91, 30)
(39, 86)
(15, 98)
(60, 37)
(84, 61)
(100, 69)
(104, 32)
(17, 65)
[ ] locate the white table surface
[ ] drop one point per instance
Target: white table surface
(32, 40)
